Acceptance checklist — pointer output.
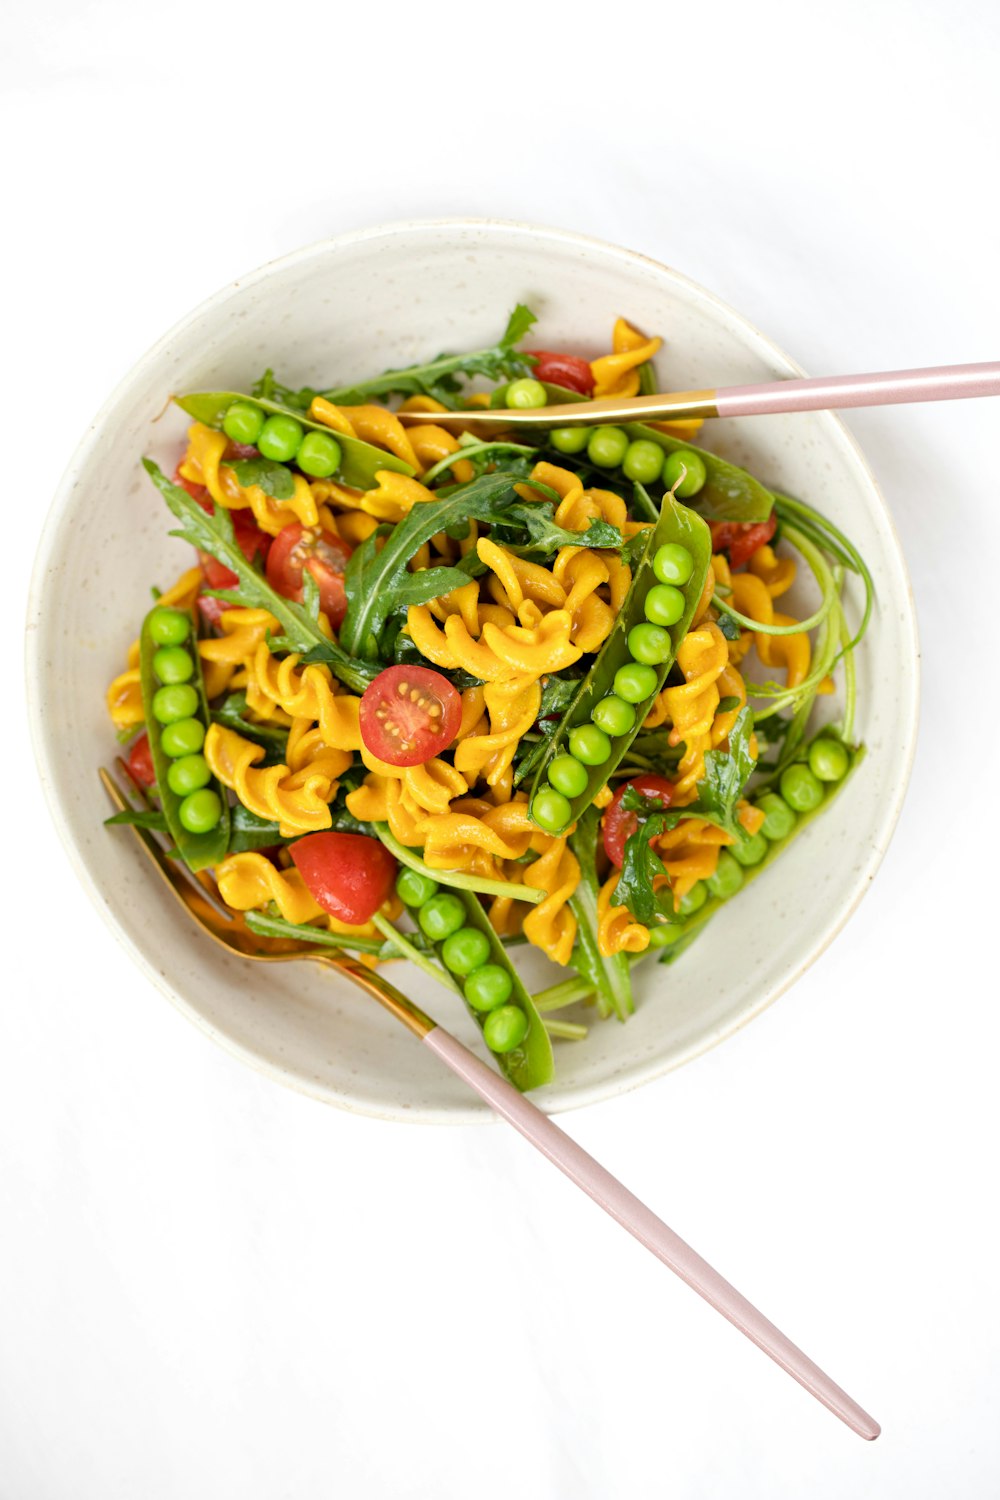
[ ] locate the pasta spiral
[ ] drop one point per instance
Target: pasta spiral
(203, 464)
(296, 801)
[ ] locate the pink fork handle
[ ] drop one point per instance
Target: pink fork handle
(832, 392)
(650, 1231)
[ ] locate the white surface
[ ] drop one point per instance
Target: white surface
(213, 1287)
(378, 299)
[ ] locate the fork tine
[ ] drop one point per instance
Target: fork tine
(172, 870)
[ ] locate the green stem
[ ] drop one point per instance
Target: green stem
(407, 950)
(458, 878)
(471, 451)
(567, 992)
(569, 1031)
(265, 926)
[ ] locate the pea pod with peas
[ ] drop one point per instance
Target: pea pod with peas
(286, 437)
(176, 711)
(454, 922)
(631, 667)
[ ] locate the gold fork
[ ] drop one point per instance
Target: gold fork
(197, 895)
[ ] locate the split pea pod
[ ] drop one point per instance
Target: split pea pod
(607, 712)
(176, 711)
(464, 941)
(295, 435)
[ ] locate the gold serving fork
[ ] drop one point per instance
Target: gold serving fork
(198, 895)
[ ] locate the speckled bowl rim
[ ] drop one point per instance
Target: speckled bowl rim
(641, 1072)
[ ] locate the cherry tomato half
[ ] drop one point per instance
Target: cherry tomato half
(140, 761)
(325, 555)
(567, 370)
(409, 715)
(618, 825)
(741, 539)
(196, 491)
(348, 874)
(252, 542)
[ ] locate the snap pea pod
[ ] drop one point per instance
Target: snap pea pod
(359, 462)
(677, 524)
(729, 492)
(198, 850)
(526, 1059)
(692, 926)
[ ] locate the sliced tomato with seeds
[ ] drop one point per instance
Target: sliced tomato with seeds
(742, 538)
(567, 370)
(348, 874)
(409, 715)
(296, 548)
(619, 823)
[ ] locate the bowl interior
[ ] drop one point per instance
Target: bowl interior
(329, 314)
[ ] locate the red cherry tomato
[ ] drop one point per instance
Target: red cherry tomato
(297, 547)
(211, 610)
(252, 542)
(567, 370)
(618, 824)
(409, 715)
(741, 539)
(348, 874)
(140, 761)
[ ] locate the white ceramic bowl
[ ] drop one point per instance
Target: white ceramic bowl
(328, 314)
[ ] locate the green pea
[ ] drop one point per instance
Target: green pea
(466, 950)
(635, 682)
(779, 820)
(319, 455)
(179, 701)
(607, 446)
(664, 604)
(488, 986)
(589, 744)
(694, 477)
(505, 1029)
(568, 776)
(182, 737)
(801, 789)
(614, 715)
(650, 644)
(243, 422)
(441, 916)
(750, 852)
(673, 563)
(413, 888)
(173, 664)
(280, 438)
(200, 812)
(188, 774)
(728, 876)
(550, 809)
(169, 627)
(828, 759)
(643, 461)
(569, 439)
(525, 393)
(694, 900)
(664, 935)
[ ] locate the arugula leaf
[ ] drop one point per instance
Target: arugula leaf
(441, 378)
(635, 801)
(729, 627)
(247, 832)
(610, 977)
(726, 775)
(545, 537)
(231, 714)
(214, 534)
(641, 865)
(274, 479)
(135, 818)
(726, 705)
(378, 582)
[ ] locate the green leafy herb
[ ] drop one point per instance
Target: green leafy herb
(641, 865)
(248, 832)
(134, 818)
(274, 479)
(378, 581)
(729, 627)
(440, 378)
(231, 714)
(214, 534)
(609, 977)
(726, 705)
(545, 537)
(726, 775)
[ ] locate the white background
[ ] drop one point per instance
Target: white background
(212, 1287)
